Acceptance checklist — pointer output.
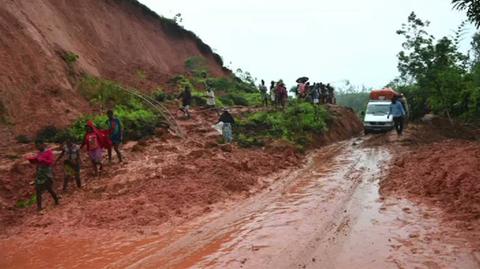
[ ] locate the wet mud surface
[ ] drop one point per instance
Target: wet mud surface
(327, 214)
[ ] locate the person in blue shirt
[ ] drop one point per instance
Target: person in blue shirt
(116, 135)
(398, 113)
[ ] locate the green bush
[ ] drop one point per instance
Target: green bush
(138, 119)
(106, 93)
(299, 124)
(48, 134)
(26, 203)
(249, 141)
(241, 99)
(70, 58)
(160, 96)
(197, 65)
(137, 124)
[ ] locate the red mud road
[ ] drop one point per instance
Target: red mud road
(327, 214)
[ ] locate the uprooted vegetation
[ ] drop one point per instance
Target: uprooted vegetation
(299, 124)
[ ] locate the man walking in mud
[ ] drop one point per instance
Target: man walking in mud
(116, 135)
(398, 113)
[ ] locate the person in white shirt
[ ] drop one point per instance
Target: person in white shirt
(211, 103)
(210, 98)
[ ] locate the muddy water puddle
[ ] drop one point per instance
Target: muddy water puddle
(328, 214)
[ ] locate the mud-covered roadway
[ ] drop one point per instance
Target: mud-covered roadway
(326, 214)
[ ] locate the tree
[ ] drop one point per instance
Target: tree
(432, 72)
(472, 7)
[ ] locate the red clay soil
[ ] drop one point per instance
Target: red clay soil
(445, 173)
(113, 39)
(165, 180)
(344, 122)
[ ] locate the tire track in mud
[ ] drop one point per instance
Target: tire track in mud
(322, 188)
(328, 214)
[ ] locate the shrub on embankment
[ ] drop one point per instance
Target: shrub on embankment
(230, 91)
(299, 124)
(138, 119)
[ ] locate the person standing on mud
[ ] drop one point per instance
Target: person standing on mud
(323, 93)
(44, 178)
(281, 94)
(273, 94)
(93, 140)
(115, 130)
(186, 97)
(315, 94)
(228, 122)
(71, 164)
(263, 92)
(398, 113)
(211, 102)
(331, 94)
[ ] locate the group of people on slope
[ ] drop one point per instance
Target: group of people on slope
(318, 93)
(96, 142)
(225, 118)
(277, 96)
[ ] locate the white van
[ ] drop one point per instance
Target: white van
(375, 119)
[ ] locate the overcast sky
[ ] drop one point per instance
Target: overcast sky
(326, 40)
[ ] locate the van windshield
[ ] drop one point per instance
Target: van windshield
(377, 109)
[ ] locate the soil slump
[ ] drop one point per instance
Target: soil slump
(327, 214)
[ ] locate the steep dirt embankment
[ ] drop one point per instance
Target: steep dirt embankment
(165, 179)
(115, 39)
(344, 124)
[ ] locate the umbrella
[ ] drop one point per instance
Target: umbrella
(302, 80)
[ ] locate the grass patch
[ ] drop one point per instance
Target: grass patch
(26, 203)
(70, 58)
(298, 124)
(139, 120)
(229, 91)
